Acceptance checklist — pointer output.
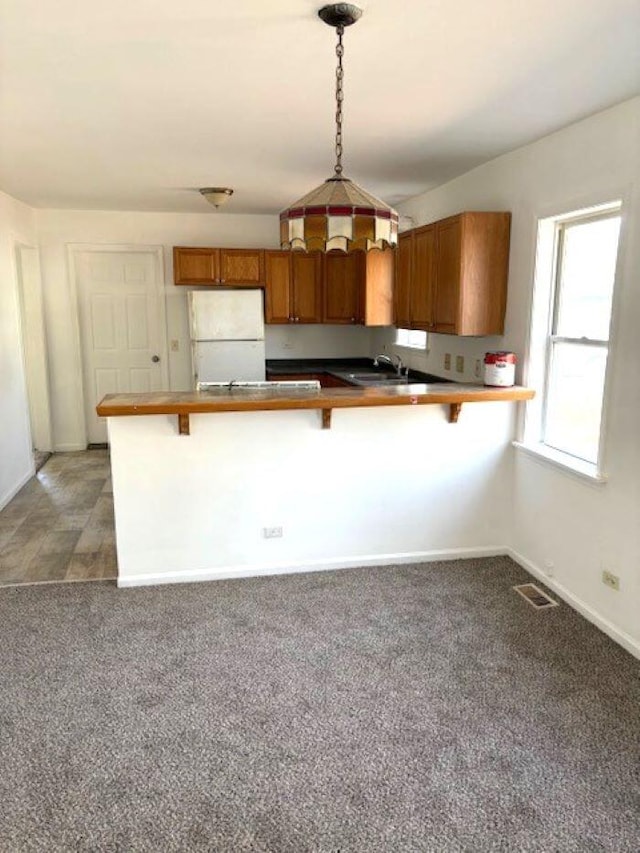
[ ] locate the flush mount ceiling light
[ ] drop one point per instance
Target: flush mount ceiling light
(338, 214)
(217, 195)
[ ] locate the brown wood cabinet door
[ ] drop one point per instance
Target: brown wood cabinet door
(328, 381)
(404, 264)
(449, 266)
(306, 279)
(343, 281)
(423, 278)
(484, 273)
(195, 266)
(277, 287)
(295, 377)
(242, 267)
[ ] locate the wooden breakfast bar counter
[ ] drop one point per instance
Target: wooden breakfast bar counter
(238, 399)
(233, 482)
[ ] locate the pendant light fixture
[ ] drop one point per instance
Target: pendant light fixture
(338, 214)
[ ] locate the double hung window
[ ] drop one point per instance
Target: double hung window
(576, 270)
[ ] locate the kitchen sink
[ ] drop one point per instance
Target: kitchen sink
(376, 378)
(366, 377)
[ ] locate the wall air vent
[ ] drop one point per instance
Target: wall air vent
(535, 596)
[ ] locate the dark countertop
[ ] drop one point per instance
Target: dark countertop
(278, 366)
(338, 366)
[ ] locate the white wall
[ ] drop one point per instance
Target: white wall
(382, 485)
(318, 341)
(59, 228)
(557, 518)
(16, 461)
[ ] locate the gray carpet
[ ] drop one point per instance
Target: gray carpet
(423, 708)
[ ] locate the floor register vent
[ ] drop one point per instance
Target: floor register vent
(535, 596)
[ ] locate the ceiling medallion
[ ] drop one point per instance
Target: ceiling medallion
(338, 214)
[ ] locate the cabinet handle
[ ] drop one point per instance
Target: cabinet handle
(221, 281)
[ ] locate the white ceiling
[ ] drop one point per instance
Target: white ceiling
(134, 104)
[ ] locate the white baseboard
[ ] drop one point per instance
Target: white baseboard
(227, 572)
(621, 637)
(69, 448)
(13, 491)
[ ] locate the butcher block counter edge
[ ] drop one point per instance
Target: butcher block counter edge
(185, 403)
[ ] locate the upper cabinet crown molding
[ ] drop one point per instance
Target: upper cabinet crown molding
(233, 267)
(452, 275)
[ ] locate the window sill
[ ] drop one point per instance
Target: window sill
(564, 462)
(410, 347)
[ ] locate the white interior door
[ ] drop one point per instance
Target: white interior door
(121, 328)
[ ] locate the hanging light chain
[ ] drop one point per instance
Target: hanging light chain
(339, 100)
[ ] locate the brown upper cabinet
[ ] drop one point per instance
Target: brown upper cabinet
(336, 288)
(301, 287)
(293, 287)
(237, 267)
(452, 275)
(358, 287)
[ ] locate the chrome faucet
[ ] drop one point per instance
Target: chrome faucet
(400, 369)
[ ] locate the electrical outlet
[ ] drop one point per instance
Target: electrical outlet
(447, 361)
(459, 364)
(478, 368)
(548, 568)
(175, 345)
(272, 532)
(611, 580)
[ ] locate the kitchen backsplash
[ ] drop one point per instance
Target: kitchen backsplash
(465, 354)
(320, 341)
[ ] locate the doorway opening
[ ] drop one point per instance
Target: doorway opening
(34, 348)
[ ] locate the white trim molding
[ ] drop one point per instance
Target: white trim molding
(228, 572)
(620, 637)
(10, 495)
(563, 461)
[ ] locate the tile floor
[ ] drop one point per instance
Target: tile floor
(59, 527)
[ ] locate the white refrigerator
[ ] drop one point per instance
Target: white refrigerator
(227, 335)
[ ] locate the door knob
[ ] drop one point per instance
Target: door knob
(155, 359)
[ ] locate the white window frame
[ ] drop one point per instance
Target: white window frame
(543, 338)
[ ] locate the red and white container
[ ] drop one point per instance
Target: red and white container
(500, 369)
